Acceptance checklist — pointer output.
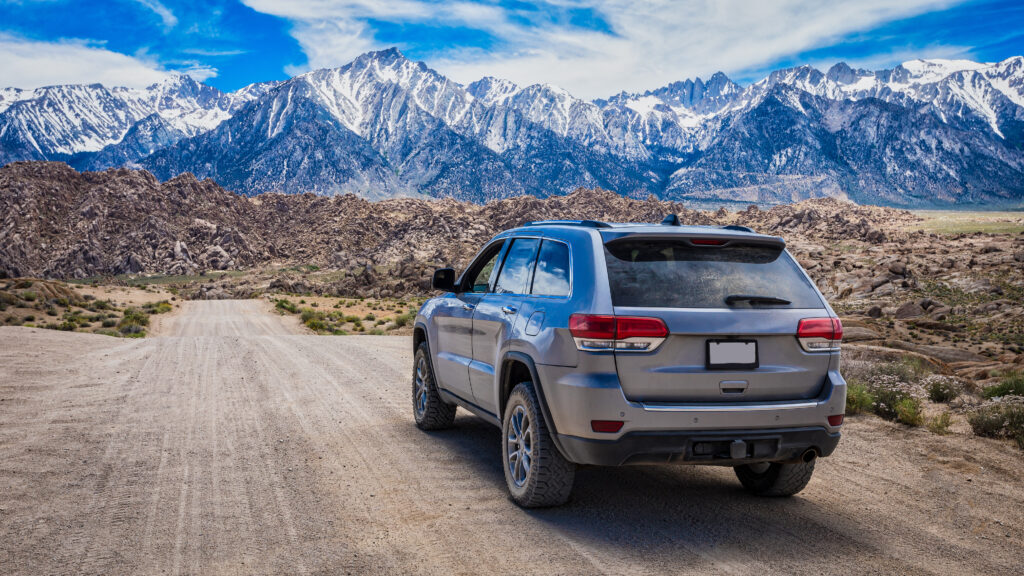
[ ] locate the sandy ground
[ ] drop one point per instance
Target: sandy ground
(232, 445)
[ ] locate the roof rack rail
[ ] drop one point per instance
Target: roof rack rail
(737, 227)
(586, 223)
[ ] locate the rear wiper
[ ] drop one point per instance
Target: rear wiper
(754, 299)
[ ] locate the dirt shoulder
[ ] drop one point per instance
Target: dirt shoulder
(232, 445)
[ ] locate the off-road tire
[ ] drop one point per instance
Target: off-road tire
(548, 482)
(436, 414)
(778, 480)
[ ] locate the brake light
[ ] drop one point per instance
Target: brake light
(820, 334)
(706, 242)
(623, 333)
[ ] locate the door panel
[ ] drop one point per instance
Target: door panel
(454, 321)
(493, 324)
(495, 317)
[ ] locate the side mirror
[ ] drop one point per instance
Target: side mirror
(444, 280)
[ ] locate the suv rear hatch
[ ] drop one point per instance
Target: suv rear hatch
(732, 305)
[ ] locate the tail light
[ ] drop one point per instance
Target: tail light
(623, 333)
(820, 334)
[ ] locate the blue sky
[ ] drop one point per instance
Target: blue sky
(591, 47)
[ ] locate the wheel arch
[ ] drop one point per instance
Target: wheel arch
(419, 336)
(515, 365)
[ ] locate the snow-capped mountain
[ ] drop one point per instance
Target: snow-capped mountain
(58, 122)
(927, 132)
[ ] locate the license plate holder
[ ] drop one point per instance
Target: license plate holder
(731, 354)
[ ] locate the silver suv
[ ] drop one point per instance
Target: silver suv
(612, 344)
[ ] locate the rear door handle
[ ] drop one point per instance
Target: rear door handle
(508, 309)
(468, 307)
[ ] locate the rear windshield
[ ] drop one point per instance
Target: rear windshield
(658, 273)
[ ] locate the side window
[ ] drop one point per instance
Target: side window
(479, 275)
(552, 276)
(518, 267)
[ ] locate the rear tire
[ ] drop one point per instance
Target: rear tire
(535, 472)
(777, 479)
(429, 409)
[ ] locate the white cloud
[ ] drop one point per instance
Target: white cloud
(31, 64)
(165, 14)
(652, 42)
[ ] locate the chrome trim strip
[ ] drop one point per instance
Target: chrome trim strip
(737, 407)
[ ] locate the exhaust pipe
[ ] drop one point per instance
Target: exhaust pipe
(809, 455)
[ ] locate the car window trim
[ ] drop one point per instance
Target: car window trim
(476, 260)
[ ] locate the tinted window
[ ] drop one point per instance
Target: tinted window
(671, 274)
(482, 269)
(552, 276)
(518, 267)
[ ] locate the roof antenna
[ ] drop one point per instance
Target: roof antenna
(671, 220)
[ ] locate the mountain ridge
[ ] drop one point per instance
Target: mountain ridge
(925, 133)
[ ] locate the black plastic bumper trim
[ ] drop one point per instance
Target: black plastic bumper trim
(767, 445)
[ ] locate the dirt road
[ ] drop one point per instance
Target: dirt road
(231, 444)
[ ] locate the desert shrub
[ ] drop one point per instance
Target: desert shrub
(382, 321)
(370, 316)
(358, 324)
(102, 305)
(908, 411)
(3, 307)
(942, 388)
(29, 296)
(316, 324)
(84, 324)
(67, 326)
(404, 319)
(107, 332)
(910, 369)
(883, 392)
(29, 318)
(109, 323)
(1012, 384)
(88, 297)
(377, 332)
(1004, 419)
(133, 322)
(315, 305)
(95, 317)
(51, 311)
(286, 306)
(51, 326)
(351, 318)
(940, 424)
(858, 398)
(310, 314)
(160, 307)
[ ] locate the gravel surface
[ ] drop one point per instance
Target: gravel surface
(232, 443)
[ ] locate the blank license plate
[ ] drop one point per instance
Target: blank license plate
(723, 354)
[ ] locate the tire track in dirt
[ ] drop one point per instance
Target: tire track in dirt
(233, 445)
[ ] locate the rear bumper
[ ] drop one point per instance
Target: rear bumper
(576, 398)
(714, 447)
